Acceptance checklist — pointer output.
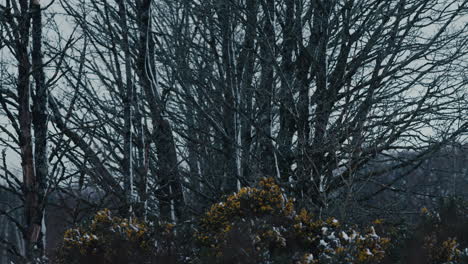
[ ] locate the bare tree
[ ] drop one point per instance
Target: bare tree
(164, 106)
(353, 80)
(20, 20)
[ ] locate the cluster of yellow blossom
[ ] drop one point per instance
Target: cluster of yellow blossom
(370, 247)
(79, 239)
(305, 225)
(103, 231)
(444, 252)
(439, 247)
(268, 199)
(330, 241)
(276, 225)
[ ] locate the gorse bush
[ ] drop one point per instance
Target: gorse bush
(255, 225)
(260, 225)
(442, 236)
(331, 242)
(267, 201)
(112, 239)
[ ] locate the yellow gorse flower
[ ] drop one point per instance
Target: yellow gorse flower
(103, 227)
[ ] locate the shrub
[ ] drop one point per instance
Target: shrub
(111, 239)
(441, 237)
(254, 225)
(259, 225)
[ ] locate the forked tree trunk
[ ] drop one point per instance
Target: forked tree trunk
(34, 168)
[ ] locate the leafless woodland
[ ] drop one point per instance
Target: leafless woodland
(159, 108)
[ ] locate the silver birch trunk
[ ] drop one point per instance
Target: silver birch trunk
(128, 103)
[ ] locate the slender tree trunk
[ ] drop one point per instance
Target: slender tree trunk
(287, 109)
(40, 121)
(32, 182)
(247, 89)
(31, 201)
(169, 193)
(128, 103)
(190, 113)
(325, 95)
(229, 149)
(265, 91)
(141, 181)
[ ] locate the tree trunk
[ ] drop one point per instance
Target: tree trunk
(247, 89)
(32, 210)
(229, 184)
(141, 180)
(40, 121)
(287, 109)
(265, 91)
(127, 103)
(169, 193)
(326, 97)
